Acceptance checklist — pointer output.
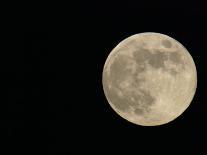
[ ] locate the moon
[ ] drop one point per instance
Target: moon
(149, 79)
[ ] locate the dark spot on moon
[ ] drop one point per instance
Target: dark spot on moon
(157, 59)
(166, 43)
(138, 111)
(141, 55)
(119, 70)
(175, 57)
(173, 72)
(140, 68)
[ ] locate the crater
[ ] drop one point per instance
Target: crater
(166, 43)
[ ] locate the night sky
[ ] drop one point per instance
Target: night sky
(53, 101)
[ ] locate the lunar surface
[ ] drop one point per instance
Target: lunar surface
(149, 79)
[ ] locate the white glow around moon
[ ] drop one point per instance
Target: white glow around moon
(149, 79)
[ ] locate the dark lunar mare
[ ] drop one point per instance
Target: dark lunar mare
(118, 73)
(157, 59)
(166, 43)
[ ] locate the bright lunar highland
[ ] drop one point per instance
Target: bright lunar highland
(149, 79)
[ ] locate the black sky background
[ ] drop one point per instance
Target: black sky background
(106, 27)
(53, 101)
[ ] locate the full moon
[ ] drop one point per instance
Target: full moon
(149, 79)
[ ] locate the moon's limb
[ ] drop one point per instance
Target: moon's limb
(149, 79)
